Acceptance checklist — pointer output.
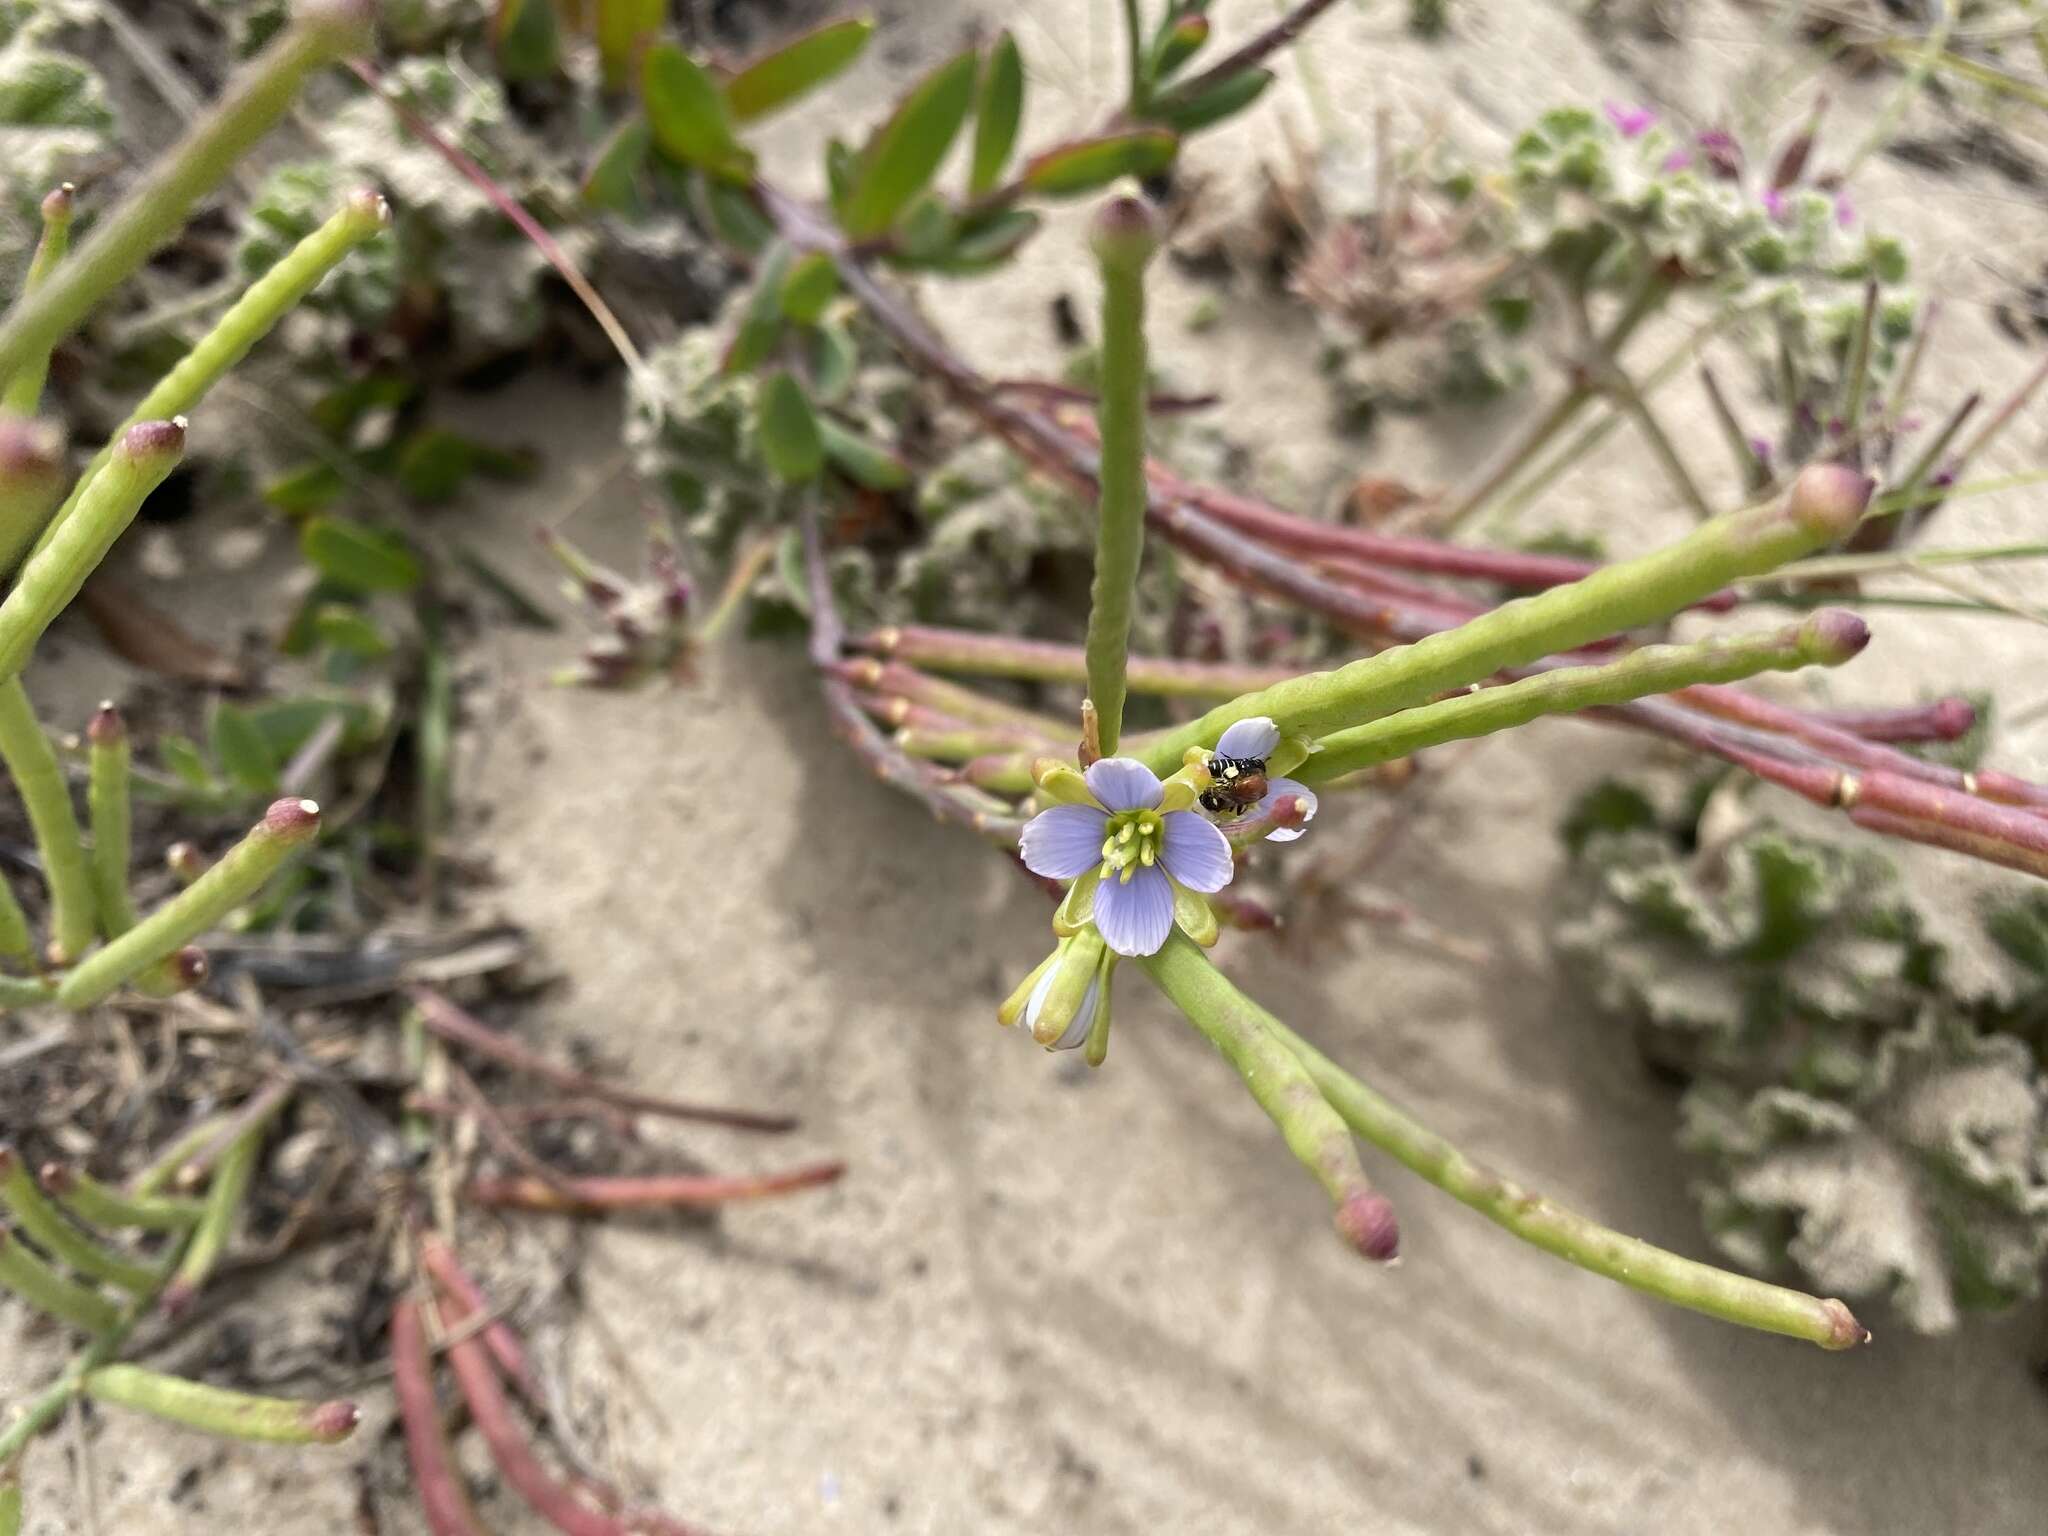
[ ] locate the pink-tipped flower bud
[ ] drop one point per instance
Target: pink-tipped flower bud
(1368, 1223)
(1953, 717)
(333, 1421)
(31, 451)
(1832, 636)
(152, 442)
(57, 1179)
(1828, 499)
(59, 205)
(1844, 1332)
(368, 210)
(188, 967)
(106, 728)
(1124, 234)
(294, 821)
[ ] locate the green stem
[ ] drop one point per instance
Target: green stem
(48, 1405)
(217, 1411)
(984, 655)
(107, 806)
(160, 1173)
(32, 763)
(25, 992)
(62, 1241)
(10, 1500)
(157, 206)
(142, 457)
(1520, 451)
(1823, 506)
(1313, 1131)
(285, 829)
(1829, 638)
(1856, 381)
(24, 392)
(1124, 241)
(957, 746)
(102, 1206)
(16, 942)
(224, 1197)
(247, 321)
(1565, 1233)
(47, 1291)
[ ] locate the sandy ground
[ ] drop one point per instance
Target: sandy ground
(1050, 1300)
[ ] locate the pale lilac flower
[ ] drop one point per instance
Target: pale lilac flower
(1140, 853)
(1677, 160)
(1259, 738)
(1722, 154)
(1630, 122)
(1774, 204)
(1845, 209)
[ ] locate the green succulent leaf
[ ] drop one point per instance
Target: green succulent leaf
(688, 115)
(860, 459)
(523, 33)
(904, 154)
(241, 750)
(787, 429)
(799, 66)
(998, 113)
(990, 240)
(622, 26)
(761, 321)
(359, 558)
(611, 183)
(1088, 165)
(1189, 111)
(811, 283)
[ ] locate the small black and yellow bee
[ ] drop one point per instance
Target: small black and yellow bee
(1236, 785)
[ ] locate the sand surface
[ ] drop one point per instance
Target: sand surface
(1049, 1300)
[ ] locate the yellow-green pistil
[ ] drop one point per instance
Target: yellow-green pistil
(1133, 843)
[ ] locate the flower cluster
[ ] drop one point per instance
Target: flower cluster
(1141, 856)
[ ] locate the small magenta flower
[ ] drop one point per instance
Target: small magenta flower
(1845, 209)
(1722, 154)
(1774, 204)
(1258, 740)
(1136, 844)
(1630, 122)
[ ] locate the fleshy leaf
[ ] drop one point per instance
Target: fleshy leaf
(688, 115)
(998, 112)
(809, 285)
(1187, 112)
(904, 154)
(611, 181)
(1088, 165)
(523, 33)
(240, 749)
(796, 67)
(358, 557)
(787, 428)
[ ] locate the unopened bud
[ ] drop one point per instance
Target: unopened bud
(1124, 234)
(1831, 636)
(59, 206)
(368, 211)
(185, 861)
(106, 728)
(152, 442)
(292, 821)
(1828, 499)
(1368, 1223)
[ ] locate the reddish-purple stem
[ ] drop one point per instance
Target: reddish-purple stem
(661, 1191)
(437, 1483)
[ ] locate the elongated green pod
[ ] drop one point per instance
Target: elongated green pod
(107, 808)
(142, 456)
(247, 321)
(1829, 638)
(287, 827)
(10, 1501)
(158, 203)
(47, 1291)
(102, 1206)
(25, 390)
(32, 762)
(62, 1241)
(1825, 503)
(218, 1411)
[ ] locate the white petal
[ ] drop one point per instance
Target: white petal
(1278, 787)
